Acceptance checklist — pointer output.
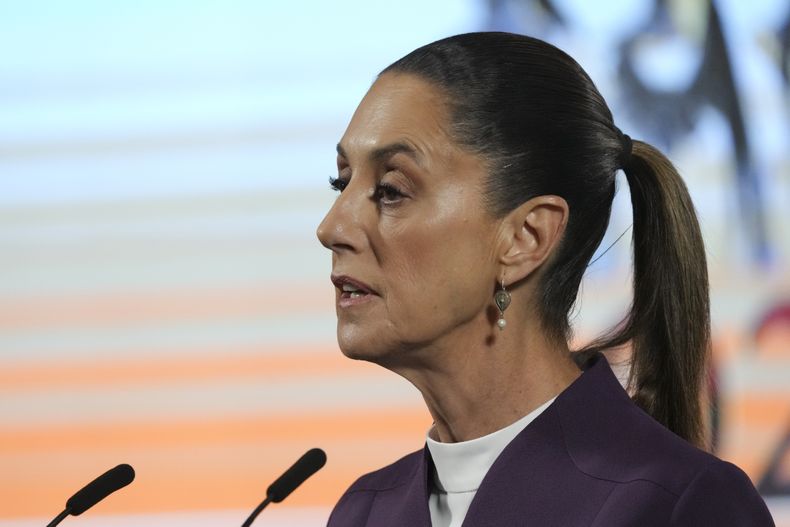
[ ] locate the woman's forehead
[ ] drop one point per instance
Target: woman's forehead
(399, 111)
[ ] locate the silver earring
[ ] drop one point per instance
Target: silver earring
(502, 300)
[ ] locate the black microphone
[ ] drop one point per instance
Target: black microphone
(95, 491)
(306, 466)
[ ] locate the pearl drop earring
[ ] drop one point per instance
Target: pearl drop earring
(502, 300)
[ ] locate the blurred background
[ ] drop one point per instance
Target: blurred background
(164, 301)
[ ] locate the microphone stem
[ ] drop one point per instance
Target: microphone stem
(59, 518)
(256, 512)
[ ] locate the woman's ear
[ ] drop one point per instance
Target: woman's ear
(532, 232)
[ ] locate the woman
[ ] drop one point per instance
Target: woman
(476, 179)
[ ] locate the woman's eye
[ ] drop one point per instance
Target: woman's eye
(388, 194)
(337, 184)
(384, 193)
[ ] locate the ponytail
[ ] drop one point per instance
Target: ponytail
(668, 324)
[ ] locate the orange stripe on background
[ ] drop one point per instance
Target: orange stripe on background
(210, 481)
(200, 364)
(336, 424)
(754, 424)
(136, 308)
(752, 454)
(751, 409)
(202, 465)
(753, 463)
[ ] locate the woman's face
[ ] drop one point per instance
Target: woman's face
(412, 244)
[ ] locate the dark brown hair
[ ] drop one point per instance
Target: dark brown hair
(543, 128)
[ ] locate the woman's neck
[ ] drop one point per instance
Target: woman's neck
(473, 388)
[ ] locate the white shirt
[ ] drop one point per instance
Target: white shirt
(459, 469)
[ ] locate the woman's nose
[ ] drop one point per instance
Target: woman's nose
(339, 229)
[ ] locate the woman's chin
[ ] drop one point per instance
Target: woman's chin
(357, 350)
(355, 354)
(358, 344)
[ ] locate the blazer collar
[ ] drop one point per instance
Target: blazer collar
(539, 456)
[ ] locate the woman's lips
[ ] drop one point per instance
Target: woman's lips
(347, 300)
(353, 292)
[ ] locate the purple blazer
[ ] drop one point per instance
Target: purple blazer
(592, 458)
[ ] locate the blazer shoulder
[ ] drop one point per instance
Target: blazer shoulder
(721, 494)
(393, 475)
(609, 437)
(354, 506)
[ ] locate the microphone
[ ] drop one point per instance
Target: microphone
(95, 491)
(306, 466)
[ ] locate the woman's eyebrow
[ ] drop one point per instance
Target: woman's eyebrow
(385, 152)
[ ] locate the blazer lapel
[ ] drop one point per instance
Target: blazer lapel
(406, 505)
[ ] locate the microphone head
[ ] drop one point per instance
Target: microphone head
(100, 488)
(305, 466)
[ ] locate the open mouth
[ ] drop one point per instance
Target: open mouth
(351, 291)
